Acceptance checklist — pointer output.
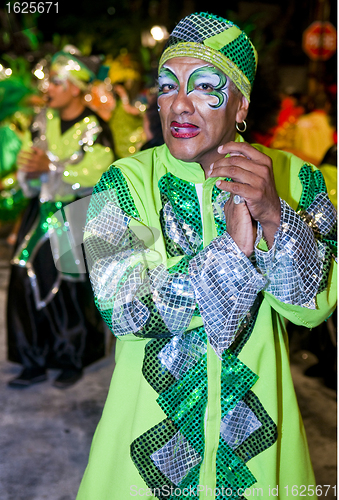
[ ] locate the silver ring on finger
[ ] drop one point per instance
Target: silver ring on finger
(238, 199)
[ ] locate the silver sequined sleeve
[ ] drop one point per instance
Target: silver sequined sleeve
(124, 282)
(294, 264)
(221, 280)
(226, 285)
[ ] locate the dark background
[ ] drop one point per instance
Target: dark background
(115, 27)
(107, 26)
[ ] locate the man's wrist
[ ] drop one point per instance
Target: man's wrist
(270, 228)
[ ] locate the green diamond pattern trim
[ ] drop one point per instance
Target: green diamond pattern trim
(183, 200)
(313, 184)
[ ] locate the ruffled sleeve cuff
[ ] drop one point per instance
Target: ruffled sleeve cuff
(226, 285)
(293, 266)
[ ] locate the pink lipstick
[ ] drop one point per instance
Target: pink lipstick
(184, 130)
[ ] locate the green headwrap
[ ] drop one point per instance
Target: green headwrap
(69, 67)
(218, 41)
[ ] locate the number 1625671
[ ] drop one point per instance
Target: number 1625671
(32, 7)
(310, 490)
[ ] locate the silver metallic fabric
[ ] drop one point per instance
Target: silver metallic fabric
(181, 352)
(52, 181)
(321, 215)
(293, 266)
(180, 232)
(221, 279)
(116, 269)
(226, 285)
(174, 298)
(238, 424)
(176, 458)
(219, 203)
(121, 277)
(110, 224)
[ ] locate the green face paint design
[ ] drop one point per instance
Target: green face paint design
(168, 82)
(204, 81)
(209, 81)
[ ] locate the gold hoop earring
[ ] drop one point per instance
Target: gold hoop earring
(243, 129)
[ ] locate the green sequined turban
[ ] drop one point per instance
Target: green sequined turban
(218, 41)
(67, 66)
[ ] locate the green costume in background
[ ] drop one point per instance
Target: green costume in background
(201, 402)
(51, 318)
(12, 199)
(127, 131)
(14, 118)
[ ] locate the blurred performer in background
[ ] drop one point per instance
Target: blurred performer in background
(51, 317)
(314, 134)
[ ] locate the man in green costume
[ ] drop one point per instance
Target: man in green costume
(197, 251)
(51, 317)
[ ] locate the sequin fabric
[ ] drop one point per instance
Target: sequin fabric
(218, 41)
(25, 253)
(238, 424)
(180, 354)
(117, 261)
(226, 285)
(262, 437)
(54, 185)
(180, 232)
(293, 265)
(184, 403)
(218, 207)
(144, 447)
(176, 368)
(217, 282)
(179, 217)
(176, 458)
(174, 298)
(110, 224)
(314, 186)
(246, 429)
(320, 216)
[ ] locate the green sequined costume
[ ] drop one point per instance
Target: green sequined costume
(202, 402)
(52, 321)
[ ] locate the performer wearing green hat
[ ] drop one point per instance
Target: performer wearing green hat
(197, 251)
(51, 318)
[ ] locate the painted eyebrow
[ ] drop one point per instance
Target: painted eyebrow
(215, 71)
(217, 89)
(168, 72)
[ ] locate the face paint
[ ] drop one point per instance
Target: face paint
(205, 81)
(211, 82)
(198, 109)
(168, 82)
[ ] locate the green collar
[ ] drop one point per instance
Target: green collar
(187, 171)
